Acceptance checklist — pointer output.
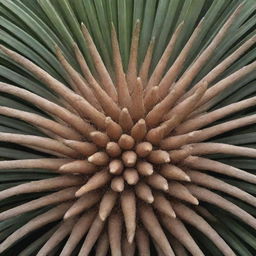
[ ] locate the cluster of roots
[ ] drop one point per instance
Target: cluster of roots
(128, 150)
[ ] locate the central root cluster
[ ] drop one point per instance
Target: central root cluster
(128, 158)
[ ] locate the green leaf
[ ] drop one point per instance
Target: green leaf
(38, 243)
(18, 154)
(41, 30)
(123, 31)
(96, 31)
(147, 27)
(168, 25)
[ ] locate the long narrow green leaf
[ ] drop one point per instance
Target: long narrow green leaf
(123, 33)
(167, 26)
(138, 11)
(147, 26)
(31, 42)
(36, 25)
(96, 32)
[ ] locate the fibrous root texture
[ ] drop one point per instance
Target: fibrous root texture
(129, 148)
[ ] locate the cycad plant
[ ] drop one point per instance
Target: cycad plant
(127, 127)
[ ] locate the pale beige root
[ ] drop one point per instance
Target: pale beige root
(125, 120)
(220, 68)
(159, 157)
(85, 69)
(116, 166)
(205, 213)
(155, 115)
(144, 70)
(207, 118)
(113, 149)
(217, 88)
(163, 205)
(139, 130)
(105, 78)
(158, 249)
(124, 98)
(42, 185)
(143, 191)
(128, 204)
(83, 147)
(216, 148)
(42, 122)
(99, 138)
(180, 154)
(81, 60)
(173, 172)
(143, 149)
(131, 176)
(92, 236)
(174, 142)
(199, 223)
(107, 203)
(78, 231)
(50, 81)
(99, 158)
(55, 110)
(178, 248)
(39, 142)
(193, 70)
(117, 184)
(115, 233)
(78, 166)
(59, 235)
(159, 111)
(212, 198)
(218, 167)
(156, 135)
(157, 181)
(49, 133)
(152, 98)
(154, 229)
(138, 108)
(162, 63)
(144, 168)
(106, 102)
(113, 129)
(142, 241)
(76, 101)
(78, 81)
(52, 215)
(109, 106)
(83, 203)
(98, 180)
(126, 142)
(102, 245)
(173, 72)
(128, 249)
(179, 231)
(129, 158)
(40, 240)
(48, 151)
(131, 73)
(44, 163)
(53, 198)
(217, 184)
(184, 108)
(180, 191)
